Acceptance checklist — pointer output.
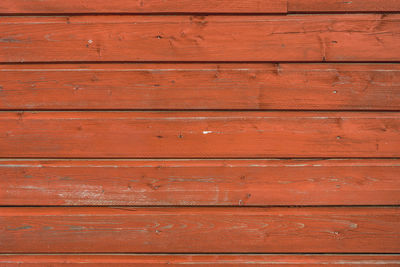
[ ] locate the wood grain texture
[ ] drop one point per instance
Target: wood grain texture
(188, 6)
(215, 230)
(368, 37)
(343, 6)
(201, 86)
(141, 6)
(200, 182)
(198, 260)
(199, 134)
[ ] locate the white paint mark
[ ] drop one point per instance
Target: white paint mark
(300, 225)
(207, 132)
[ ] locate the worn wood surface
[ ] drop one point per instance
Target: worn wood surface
(215, 230)
(202, 127)
(199, 260)
(369, 37)
(200, 182)
(199, 134)
(201, 86)
(190, 6)
(142, 6)
(343, 5)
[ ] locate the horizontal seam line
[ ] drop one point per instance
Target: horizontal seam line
(204, 253)
(59, 62)
(194, 13)
(201, 206)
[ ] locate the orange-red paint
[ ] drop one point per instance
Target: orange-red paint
(199, 127)
(201, 86)
(211, 230)
(199, 182)
(199, 134)
(367, 37)
(156, 260)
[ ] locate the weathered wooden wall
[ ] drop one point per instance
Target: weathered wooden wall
(212, 132)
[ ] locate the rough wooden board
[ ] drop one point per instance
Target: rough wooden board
(343, 6)
(198, 260)
(368, 37)
(200, 182)
(141, 6)
(201, 86)
(213, 230)
(199, 134)
(190, 6)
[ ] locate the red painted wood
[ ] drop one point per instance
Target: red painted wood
(187, 6)
(141, 6)
(368, 37)
(214, 230)
(108, 71)
(343, 5)
(201, 86)
(199, 134)
(198, 260)
(200, 182)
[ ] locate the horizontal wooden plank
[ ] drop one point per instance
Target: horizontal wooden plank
(188, 6)
(201, 86)
(216, 230)
(367, 37)
(140, 6)
(199, 260)
(200, 182)
(199, 134)
(343, 5)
